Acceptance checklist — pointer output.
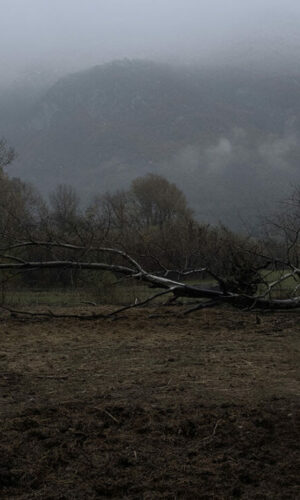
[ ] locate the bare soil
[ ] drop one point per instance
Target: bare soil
(205, 406)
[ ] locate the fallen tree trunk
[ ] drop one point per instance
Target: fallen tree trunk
(135, 271)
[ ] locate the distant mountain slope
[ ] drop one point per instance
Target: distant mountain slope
(228, 137)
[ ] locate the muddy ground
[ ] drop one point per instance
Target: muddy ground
(205, 406)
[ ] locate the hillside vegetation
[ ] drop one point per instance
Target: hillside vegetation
(227, 136)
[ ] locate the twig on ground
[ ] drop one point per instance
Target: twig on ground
(214, 431)
(202, 305)
(111, 416)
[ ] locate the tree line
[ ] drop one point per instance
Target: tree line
(149, 224)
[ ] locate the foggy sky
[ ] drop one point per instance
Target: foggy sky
(68, 35)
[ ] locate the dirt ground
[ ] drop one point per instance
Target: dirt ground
(150, 406)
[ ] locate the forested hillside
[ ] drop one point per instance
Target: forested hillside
(228, 137)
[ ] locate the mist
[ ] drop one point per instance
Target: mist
(217, 113)
(61, 36)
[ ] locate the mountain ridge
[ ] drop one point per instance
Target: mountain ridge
(223, 134)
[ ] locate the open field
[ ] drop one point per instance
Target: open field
(150, 406)
(107, 290)
(76, 296)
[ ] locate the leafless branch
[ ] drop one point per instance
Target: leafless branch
(176, 287)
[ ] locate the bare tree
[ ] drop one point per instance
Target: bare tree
(163, 255)
(158, 201)
(7, 153)
(287, 225)
(131, 268)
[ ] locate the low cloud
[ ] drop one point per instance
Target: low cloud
(219, 155)
(276, 150)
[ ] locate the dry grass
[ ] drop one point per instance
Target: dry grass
(161, 407)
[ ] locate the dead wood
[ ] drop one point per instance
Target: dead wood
(178, 288)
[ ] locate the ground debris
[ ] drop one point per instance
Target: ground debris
(205, 408)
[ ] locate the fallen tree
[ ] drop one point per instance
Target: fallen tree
(120, 263)
(169, 252)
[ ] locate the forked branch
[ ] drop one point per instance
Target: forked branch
(214, 296)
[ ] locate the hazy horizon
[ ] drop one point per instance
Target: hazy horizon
(62, 36)
(236, 142)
